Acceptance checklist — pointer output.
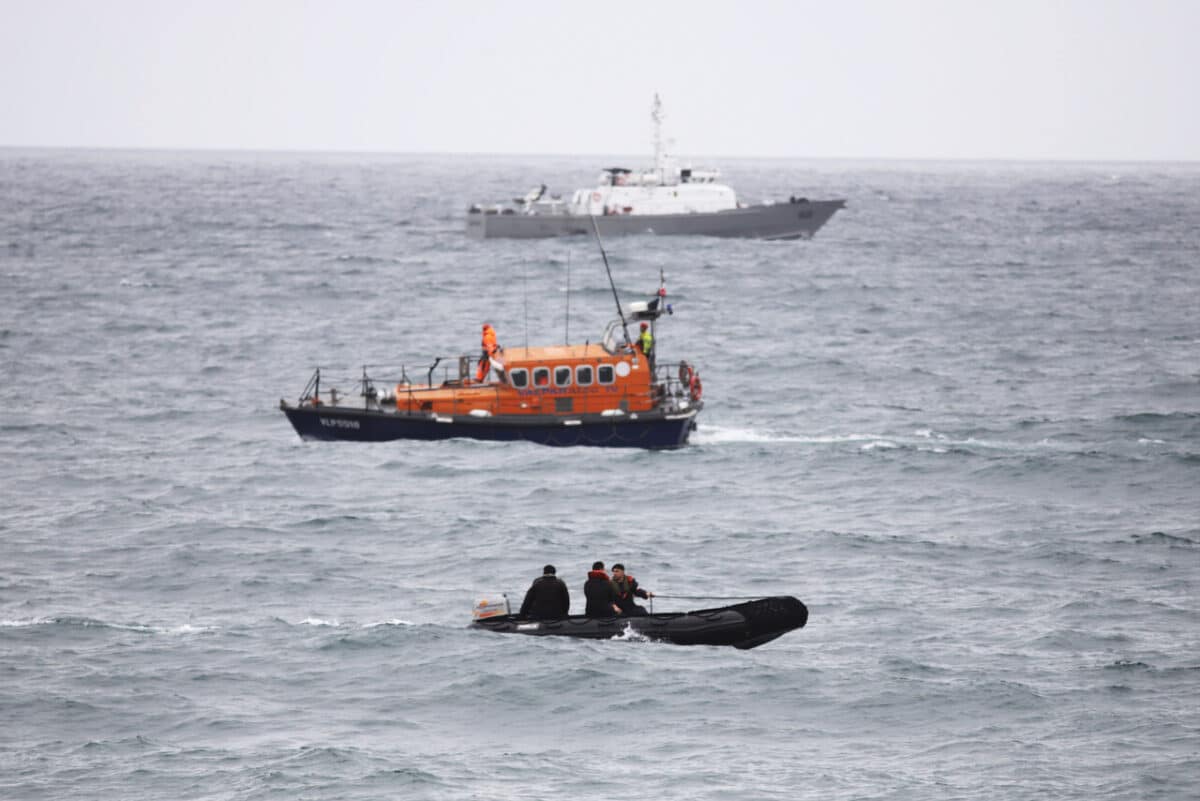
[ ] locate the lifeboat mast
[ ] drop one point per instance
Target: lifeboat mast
(607, 269)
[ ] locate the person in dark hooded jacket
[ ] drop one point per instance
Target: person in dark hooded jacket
(600, 593)
(547, 598)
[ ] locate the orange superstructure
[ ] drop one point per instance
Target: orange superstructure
(555, 380)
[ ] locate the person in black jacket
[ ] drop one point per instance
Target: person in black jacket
(628, 589)
(600, 593)
(547, 598)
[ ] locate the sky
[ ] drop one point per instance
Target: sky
(836, 79)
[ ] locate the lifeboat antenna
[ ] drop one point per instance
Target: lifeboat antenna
(607, 269)
(525, 298)
(567, 324)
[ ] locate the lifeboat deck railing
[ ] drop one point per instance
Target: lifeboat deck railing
(674, 385)
(456, 372)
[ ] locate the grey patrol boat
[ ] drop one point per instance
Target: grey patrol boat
(668, 199)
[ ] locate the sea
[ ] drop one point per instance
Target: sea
(961, 424)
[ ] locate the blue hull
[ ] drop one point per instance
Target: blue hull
(653, 430)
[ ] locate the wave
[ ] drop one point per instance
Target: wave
(1128, 664)
(629, 635)
(356, 258)
(1157, 417)
(1162, 538)
(281, 225)
(74, 621)
(81, 622)
(335, 623)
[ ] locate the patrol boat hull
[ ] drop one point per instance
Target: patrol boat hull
(744, 625)
(787, 220)
(655, 430)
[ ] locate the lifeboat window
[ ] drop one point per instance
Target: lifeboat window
(562, 376)
(583, 375)
(605, 374)
(541, 376)
(519, 377)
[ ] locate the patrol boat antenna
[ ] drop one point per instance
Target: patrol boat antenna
(617, 300)
(657, 116)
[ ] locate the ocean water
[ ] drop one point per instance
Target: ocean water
(962, 424)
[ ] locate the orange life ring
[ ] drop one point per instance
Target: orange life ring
(695, 387)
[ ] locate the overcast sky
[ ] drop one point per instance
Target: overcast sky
(929, 79)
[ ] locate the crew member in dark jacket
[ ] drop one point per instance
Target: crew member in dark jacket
(628, 589)
(547, 598)
(600, 593)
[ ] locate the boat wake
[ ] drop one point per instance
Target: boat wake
(722, 435)
(919, 440)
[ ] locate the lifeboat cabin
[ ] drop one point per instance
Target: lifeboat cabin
(606, 394)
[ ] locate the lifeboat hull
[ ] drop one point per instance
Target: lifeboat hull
(654, 430)
(744, 625)
(767, 221)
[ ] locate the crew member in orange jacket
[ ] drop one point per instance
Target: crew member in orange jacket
(489, 349)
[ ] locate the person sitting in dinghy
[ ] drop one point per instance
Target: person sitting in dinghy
(600, 593)
(547, 598)
(628, 589)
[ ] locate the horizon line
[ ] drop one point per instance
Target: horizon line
(530, 154)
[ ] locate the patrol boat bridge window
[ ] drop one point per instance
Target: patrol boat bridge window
(541, 376)
(562, 376)
(519, 377)
(583, 375)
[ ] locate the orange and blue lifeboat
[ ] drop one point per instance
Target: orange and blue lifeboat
(603, 394)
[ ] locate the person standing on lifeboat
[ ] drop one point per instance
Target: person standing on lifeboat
(489, 350)
(645, 342)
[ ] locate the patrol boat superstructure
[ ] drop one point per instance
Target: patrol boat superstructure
(668, 199)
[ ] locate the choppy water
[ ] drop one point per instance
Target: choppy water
(962, 424)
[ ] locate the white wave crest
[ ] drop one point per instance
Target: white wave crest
(631, 636)
(393, 622)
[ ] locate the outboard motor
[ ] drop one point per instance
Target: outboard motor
(491, 607)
